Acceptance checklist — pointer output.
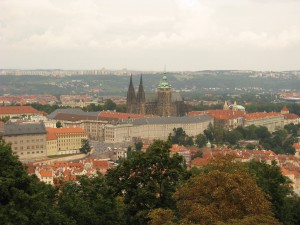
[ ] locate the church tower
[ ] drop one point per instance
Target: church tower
(131, 98)
(164, 104)
(141, 100)
(225, 107)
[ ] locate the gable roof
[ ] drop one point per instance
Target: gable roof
(65, 130)
(261, 115)
(71, 111)
(24, 128)
(4, 110)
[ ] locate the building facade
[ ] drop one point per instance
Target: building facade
(270, 120)
(164, 102)
(28, 140)
(68, 140)
(18, 111)
(149, 129)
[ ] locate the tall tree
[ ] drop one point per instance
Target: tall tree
(85, 146)
(90, 201)
(147, 181)
(23, 199)
(270, 179)
(201, 140)
(224, 192)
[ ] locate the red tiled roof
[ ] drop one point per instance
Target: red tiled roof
(290, 116)
(51, 136)
(261, 115)
(219, 114)
(284, 109)
(65, 130)
(199, 162)
(178, 148)
(18, 110)
(45, 173)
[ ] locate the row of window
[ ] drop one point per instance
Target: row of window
(28, 153)
(28, 141)
(29, 147)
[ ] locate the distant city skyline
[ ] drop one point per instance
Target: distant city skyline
(184, 35)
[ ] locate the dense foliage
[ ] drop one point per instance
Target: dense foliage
(151, 187)
(147, 181)
(281, 141)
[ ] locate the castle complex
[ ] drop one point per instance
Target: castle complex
(164, 102)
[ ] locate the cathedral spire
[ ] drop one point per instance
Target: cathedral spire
(141, 97)
(131, 98)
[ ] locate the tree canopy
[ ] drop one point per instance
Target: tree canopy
(147, 181)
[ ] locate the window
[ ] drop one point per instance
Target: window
(32, 152)
(28, 147)
(28, 153)
(21, 147)
(16, 148)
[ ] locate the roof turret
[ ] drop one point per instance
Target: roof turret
(164, 82)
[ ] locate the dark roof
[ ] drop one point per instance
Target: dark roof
(72, 111)
(170, 120)
(74, 117)
(24, 128)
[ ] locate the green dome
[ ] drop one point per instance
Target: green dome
(164, 83)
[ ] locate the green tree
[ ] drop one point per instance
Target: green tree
(89, 202)
(201, 140)
(109, 105)
(138, 146)
(270, 179)
(209, 132)
(85, 146)
(23, 199)
(198, 154)
(147, 181)
(224, 192)
(4, 119)
(233, 137)
(58, 124)
(180, 137)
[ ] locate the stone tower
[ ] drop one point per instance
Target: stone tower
(131, 98)
(164, 103)
(140, 98)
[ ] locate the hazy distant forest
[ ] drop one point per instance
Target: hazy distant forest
(192, 85)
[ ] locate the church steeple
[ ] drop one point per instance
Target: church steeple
(131, 98)
(141, 97)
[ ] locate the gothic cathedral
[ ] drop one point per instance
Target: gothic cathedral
(164, 102)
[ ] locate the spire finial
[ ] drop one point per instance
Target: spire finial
(131, 78)
(141, 79)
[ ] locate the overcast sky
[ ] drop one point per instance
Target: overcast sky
(148, 34)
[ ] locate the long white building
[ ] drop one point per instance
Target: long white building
(154, 128)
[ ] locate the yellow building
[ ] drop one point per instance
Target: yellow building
(66, 140)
